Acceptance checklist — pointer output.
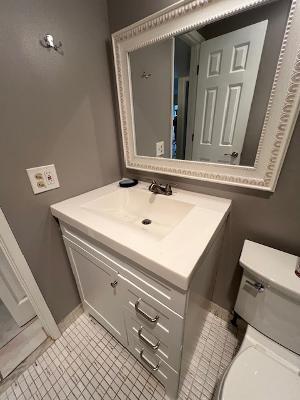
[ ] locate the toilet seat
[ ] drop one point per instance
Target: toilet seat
(257, 374)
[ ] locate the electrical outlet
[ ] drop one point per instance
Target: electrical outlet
(43, 178)
(49, 176)
(160, 148)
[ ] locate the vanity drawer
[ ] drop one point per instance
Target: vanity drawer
(153, 339)
(154, 316)
(167, 295)
(162, 371)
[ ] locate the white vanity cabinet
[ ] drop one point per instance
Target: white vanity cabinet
(155, 321)
(149, 285)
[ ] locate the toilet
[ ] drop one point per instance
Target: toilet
(267, 366)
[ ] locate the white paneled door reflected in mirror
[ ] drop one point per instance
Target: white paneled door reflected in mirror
(203, 94)
(210, 90)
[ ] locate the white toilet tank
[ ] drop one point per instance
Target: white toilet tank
(269, 294)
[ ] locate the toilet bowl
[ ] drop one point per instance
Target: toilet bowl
(267, 365)
(262, 370)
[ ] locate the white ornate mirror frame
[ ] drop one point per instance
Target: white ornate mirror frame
(281, 112)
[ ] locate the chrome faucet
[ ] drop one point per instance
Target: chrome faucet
(156, 188)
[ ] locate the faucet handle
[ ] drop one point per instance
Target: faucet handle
(168, 189)
(153, 183)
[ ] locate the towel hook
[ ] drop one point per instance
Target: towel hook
(48, 42)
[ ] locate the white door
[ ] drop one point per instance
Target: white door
(228, 68)
(12, 293)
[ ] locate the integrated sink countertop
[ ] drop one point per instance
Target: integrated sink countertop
(167, 235)
(132, 207)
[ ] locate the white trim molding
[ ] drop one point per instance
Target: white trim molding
(20, 268)
(282, 110)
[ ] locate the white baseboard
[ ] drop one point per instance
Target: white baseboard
(70, 318)
(220, 311)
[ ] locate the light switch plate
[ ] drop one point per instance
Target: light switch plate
(43, 178)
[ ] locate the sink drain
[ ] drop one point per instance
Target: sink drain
(146, 221)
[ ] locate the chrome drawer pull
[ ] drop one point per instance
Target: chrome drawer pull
(260, 287)
(150, 365)
(145, 340)
(148, 317)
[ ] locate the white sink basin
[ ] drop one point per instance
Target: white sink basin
(133, 207)
(183, 226)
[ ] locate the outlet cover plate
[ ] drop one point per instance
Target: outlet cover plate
(43, 178)
(160, 148)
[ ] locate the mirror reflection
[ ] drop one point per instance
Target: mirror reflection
(202, 95)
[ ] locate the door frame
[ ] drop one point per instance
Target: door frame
(20, 267)
(194, 40)
(181, 112)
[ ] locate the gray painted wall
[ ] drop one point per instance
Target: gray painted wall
(271, 219)
(152, 113)
(53, 109)
(123, 13)
(182, 58)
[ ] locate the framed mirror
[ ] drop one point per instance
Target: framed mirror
(209, 89)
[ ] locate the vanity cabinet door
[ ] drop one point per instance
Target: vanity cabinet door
(99, 287)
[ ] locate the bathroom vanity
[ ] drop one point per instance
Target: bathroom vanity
(148, 285)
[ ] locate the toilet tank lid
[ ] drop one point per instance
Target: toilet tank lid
(272, 266)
